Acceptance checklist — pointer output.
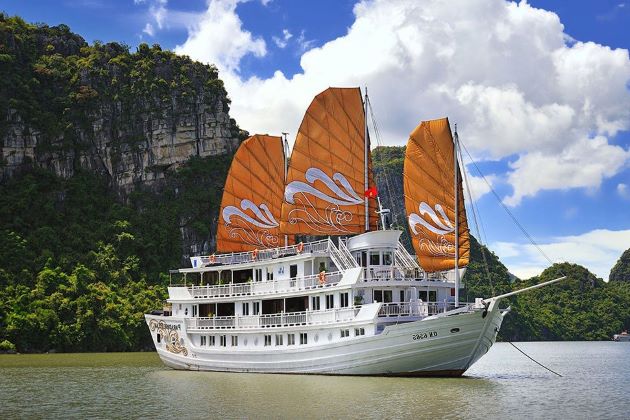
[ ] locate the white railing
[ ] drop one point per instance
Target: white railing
(316, 247)
(273, 320)
(404, 259)
(265, 287)
(352, 263)
(418, 308)
(341, 261)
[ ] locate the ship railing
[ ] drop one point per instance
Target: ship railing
(418, 308)
(285, 319)
(385, 273)
(266, 287)
(316, 247)
(404, 259)
(343, 261)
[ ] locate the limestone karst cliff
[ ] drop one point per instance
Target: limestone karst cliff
(66, 105)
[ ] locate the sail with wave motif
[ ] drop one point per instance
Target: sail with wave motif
(252, 197)
(326, 183)
(428, 177)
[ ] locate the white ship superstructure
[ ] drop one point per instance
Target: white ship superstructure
(358, 307)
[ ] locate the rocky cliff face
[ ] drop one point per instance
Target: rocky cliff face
(67, 106)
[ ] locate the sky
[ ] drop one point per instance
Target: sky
(540, 91)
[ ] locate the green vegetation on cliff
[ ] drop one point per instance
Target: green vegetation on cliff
(621, 271)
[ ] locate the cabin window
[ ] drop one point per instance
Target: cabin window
(195, 308)
(290, 339)
(303, 338)
(267, 340)
(330, 301)
(279, 339)
(258, 274)
(223, 340)
(422, 295)
(234, 340)
(344, 300)
(359, 331)
(322, 266)
(375, 258)
(203, 340)
(345, 333)
(159, 338)
(270, 275)
(211, 340)
(293, 271)
(383, 296)
(256, 308)
(186, 311)
(402, 296)
(387, 258)
(432, 296)
(315, 303)
(245, 308)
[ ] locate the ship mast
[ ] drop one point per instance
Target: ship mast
(365, 163)
(456, 141)
(285, 149)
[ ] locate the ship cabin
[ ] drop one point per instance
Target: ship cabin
(365, 282)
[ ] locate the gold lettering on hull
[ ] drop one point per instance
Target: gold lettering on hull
(171, 336)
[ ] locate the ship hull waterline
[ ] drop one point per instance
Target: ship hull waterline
(457, 342)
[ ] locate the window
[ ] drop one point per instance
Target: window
(195, 308)
(402, 296)
(375, 258)
(290, 339)
(234, 340)
(383, 296)
(186, 311)
(203, 340)
(359, 331)
(303, 338)
(159, 338)
(387, 258)
(258, 274)
(223, 340)
(345, 333)
(322, 267)
(422, 295)
(270, 275)
(432, 296)
(315, 303)
(256, 308)
(344, 300)
(293, 271)
(279, 339)
(330, 301)
(267, 340)
(211, 340)
(245, 308)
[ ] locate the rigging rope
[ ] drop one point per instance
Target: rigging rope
(527, 235)
(532, 359)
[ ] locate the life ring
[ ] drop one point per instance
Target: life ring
(300, 247)
(322, 277)
(254, 254)
(213, 259)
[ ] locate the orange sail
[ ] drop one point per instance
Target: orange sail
(326, 178)
(429, 176)
(252, 198)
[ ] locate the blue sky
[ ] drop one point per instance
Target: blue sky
(542, 100)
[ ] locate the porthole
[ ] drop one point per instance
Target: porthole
(454, 330)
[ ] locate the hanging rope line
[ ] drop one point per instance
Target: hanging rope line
(474, 209)
(532, 359)
(527, 235)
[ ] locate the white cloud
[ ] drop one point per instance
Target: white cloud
(282, 42)
(623, 191)
(597, 250)
(582, 164)
(148, 29)
(504, 71)
(218, 37)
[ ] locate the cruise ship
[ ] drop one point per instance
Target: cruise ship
(355, 301)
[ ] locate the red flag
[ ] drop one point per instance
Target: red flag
(371, 192)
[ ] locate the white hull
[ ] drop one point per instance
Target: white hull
(394, 351)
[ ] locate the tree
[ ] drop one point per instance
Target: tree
(621, 271)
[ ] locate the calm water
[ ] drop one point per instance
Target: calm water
(596, 384)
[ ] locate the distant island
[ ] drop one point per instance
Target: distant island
(111, 167)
